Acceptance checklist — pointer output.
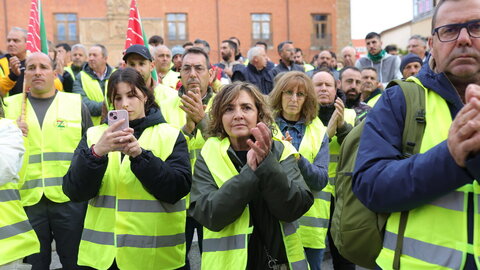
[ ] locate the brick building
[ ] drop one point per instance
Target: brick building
(312, 25)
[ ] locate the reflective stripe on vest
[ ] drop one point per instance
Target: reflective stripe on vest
(227, 249)
(49, 149)
(436, 233)
(92, 89)
(124, 222)
(374, 100)
(17, 238)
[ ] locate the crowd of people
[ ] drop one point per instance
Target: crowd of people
(244, 152)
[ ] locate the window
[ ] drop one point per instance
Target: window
(422, 7)
(66, 28)
(321, 37)
(261, 28)
(176, 28)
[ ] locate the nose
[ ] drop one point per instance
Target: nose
(464, 38)
(237, 114)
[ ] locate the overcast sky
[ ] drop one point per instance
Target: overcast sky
(378, 15)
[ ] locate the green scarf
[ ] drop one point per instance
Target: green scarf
(378, 57)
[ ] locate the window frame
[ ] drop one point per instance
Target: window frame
(66, 22)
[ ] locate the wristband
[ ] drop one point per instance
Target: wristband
(93, 152)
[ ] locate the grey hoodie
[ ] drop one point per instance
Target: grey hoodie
(388, 67)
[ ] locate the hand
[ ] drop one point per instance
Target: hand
(112, 140)
(228, 71)
(340, 109)
(22, 126)
(472, 90)
(261, 147)
(59, 69)
(193, 106)
(380, 85)
(464, 136)
(213, 76)
(14, 64)
(132, 148)
(287, 137)
(189, 125)
(332, 125)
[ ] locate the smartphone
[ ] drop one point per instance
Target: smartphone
(117, 115)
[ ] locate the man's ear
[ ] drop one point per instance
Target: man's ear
(430, 44)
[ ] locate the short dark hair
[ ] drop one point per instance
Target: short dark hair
(345, 69)
(202, 41)
(280, 46)
(370, 68)
(263, 43)
(373, 35)
(188, 43)
(231, 44)
(197, 50)
(65, 46)
(333, 55)
(238, 40)
(155, 40)
(298, 50)
(391, 47)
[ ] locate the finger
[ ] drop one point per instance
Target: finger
(472, 145)
(465, 114)
(115, 125)
(255, 146)
(467, 130)
(472, 90)
(195, 96)
(265, 132)
(187, 110)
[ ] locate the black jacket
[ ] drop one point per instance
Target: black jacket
(281, 67)
(274, 191)
(168, 181)
(261, 78)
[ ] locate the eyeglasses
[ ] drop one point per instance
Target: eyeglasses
(188, 69)
(291, 93)
(451, 32)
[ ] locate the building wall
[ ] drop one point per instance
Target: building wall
(398, 36)
(105, 21)
(422, 27)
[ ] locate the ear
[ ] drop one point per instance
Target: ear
(430, 44)
(339, 84)
(152, 66)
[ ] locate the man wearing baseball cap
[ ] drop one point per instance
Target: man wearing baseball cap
(139, 58)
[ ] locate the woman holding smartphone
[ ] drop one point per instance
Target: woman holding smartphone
(135, 180)
(247, 189)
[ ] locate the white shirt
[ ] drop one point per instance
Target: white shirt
(11, 151)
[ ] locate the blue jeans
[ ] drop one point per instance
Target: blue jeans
(314, 257)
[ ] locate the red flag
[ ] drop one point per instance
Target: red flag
(134, 31)
(36, 39)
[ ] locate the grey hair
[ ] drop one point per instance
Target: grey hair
(419, 38)
(254, 51)
(103, 48)
(163, 47)
(79, 46)
(19, 29)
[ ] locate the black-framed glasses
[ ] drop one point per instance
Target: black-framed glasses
(451, 32)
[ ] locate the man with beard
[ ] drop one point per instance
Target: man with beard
(78, 56)
(350, 81)
(371, 88)
(228, 63)
(388, 66)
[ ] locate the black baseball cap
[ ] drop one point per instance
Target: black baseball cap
(138, 49)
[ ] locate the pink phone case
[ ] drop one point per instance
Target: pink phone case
(115, 116)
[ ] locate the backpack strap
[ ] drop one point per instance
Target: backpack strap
(411, 142)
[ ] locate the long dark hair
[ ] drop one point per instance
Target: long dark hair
(135, 80)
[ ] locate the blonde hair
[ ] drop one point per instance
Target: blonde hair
(289, 81)
(226, 96)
